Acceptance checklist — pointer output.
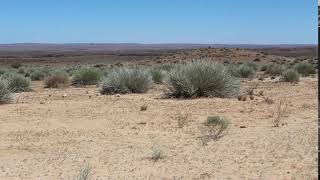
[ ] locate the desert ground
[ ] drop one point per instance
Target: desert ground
(53, 133)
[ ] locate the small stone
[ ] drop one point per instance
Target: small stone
(251, 97)
(64, 95)
(117, 95)
(41, 102)
(243, 126)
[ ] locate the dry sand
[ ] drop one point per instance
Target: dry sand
(47, 136)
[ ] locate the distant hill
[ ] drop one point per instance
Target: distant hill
(93, 47)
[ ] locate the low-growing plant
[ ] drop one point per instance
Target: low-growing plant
(126, 80)
(84, 173)
(5, 93)
(305, 69)
(202, 78)
(264, 67)
(156, 153)
(246, 71)
(16, 65)
(213, 128)
(57, 79)
(37, 75)
(157, 75)
(18, 83)
(274, 69)
(290, 75)
(86, 76)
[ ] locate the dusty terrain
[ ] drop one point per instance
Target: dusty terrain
(47, 136)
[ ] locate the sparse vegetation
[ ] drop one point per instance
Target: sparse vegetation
(157, 75)
(246, 71)
(37, 75)
(274, 69)
(202, 78)
(281, 112)
(305, 69)
(86, 76)
(290, 75)
(5, 93)
(16, 65)
(213, 128)
(156, 153)
(18, 83)
(126, 80)
(58, 79)
(84, 173)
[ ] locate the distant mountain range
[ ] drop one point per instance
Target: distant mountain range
(86, 47)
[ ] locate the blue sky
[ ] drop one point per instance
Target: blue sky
(159, 21)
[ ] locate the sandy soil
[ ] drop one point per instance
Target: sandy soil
(47, 136)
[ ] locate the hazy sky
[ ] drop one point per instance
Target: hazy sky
(159, 21)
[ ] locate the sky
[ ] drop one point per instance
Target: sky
(159, 21)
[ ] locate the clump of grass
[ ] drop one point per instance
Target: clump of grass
(213, 128)
(290, 75)
(246, 71)
(57, 79)
(156, 153)
(232, 69)
(5, 93)
(37, 75)
(281, 112)
(202, 79)
(86, 76)
(18, 83)
(274, 69)
(305, 69)
(264, 67)
(84, 173)
(157, 75)
(126, 80)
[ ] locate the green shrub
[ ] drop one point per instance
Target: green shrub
(274, 69)
(202, 78)
(246, 71)
(37, 75)
(18, 83)
(86, 76)
(213, 128)
(5, 93)
(264, 67)
(57, 79)
(290, 75)
(252, 65)
(16, 65)
(157, 75)
(126, 80)
(305, 69)
(232, 69)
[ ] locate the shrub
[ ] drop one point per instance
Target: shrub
(5, 93)
(86, 76)
(57, 80)
(264, 67)
(37, 75)
(157, 75)
(213, 128)
(202, 78)
(126, 80)
(84, 174)
(246, 71)
(305, 69)
(16, 65)
(18, 83)
(290, 75)
(274, 69)
(156, 153)
(232, 70)
(252, 65)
